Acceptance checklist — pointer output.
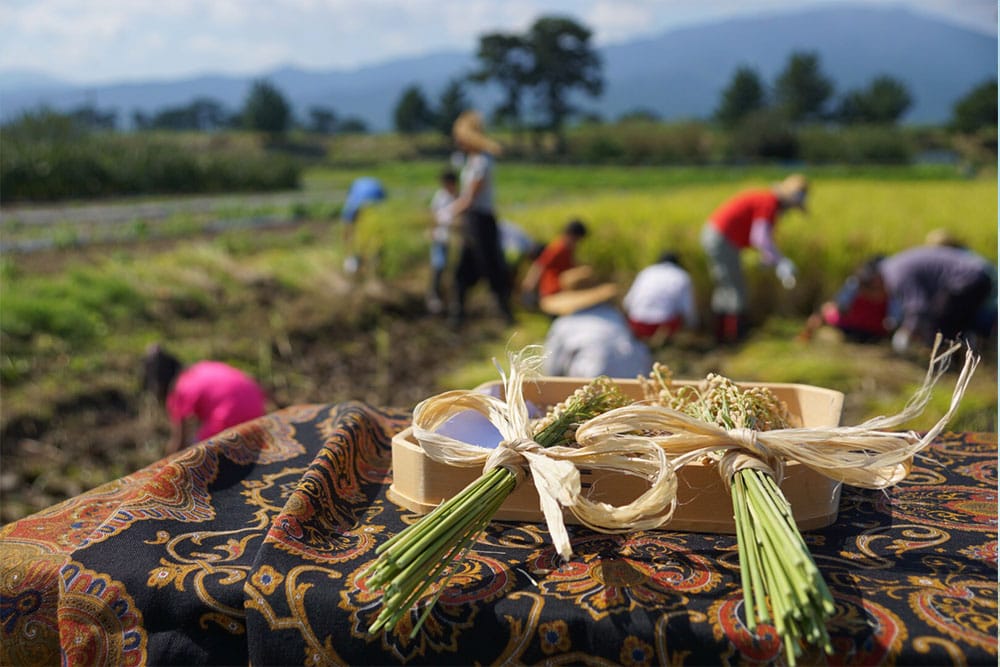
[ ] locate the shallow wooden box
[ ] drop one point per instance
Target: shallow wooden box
(704, 505)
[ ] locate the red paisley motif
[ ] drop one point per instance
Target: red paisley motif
(175, 488)
(851, 646)
(966, 611)
(99, 621)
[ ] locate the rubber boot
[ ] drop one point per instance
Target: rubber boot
(728, 328)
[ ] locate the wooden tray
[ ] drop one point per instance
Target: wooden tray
(703, 503)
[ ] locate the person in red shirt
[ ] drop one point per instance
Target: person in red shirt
(747, 220)
(542, 277)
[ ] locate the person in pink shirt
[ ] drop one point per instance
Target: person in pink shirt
(747, 220)
(208, 394)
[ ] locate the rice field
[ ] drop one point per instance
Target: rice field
(75, 320)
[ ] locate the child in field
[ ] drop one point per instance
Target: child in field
(542, 277)
(441, 231)
(210, 394)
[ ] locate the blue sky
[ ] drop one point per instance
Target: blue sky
(103, 41)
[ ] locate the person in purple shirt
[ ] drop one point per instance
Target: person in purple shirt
(938, 288)
(208, 394)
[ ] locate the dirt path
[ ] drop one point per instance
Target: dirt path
(124, 210)
(33, 229)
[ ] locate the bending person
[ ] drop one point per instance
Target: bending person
(589, 335)
(661, 300)
(209, 394)
(747, 220)
(861, 309)
(939, 288)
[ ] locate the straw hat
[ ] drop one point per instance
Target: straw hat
(792, 191)
(579, 288)
(942, 237)
(468, 131)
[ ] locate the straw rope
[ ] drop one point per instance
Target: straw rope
(653, 441)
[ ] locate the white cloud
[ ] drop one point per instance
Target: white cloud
(616, 20)
(64, 21)
(104, 40)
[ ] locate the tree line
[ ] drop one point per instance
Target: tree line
(541, 71)
(555, 58)
(266, 109)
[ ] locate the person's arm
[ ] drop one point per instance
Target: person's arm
(468, 193)
(531, 277)
(846, 295)
(441, 207)
(762, 238)
(180, 435)
(464, 201)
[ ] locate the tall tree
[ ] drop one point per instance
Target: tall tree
(266, 109)
(413, 113)
(91, 117)
(322, 120)
(563, 61)
(744, 95)
(453, 101)
(208, 114)
(506, 60)
(802, 90)
(883, 102)
(976, 109)
(352, 125)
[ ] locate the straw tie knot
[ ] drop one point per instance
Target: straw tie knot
(747, 438)
(509, 454)
(751, 454)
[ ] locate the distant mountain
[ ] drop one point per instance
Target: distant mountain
(682, 72)
(29, 79)
(678, 74)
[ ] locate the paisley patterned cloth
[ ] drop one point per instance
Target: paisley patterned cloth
(250, 548)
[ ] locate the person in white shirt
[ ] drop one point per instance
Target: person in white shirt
(661, 300)
(443, 224)
(589, 336)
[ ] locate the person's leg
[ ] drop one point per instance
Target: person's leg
(954, 313)
(466, 275)
(351, 260)
(439, 259)
(729, 291)
(489, 258)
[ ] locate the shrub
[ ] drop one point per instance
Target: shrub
(640, 141)
(46, 159)
(862, 144)
(764, 135)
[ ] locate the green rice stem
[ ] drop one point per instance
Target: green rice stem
(407, 588)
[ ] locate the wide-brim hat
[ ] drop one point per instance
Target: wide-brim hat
(468, 131)
(942, 237)
(792, 191)
(579, 289)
